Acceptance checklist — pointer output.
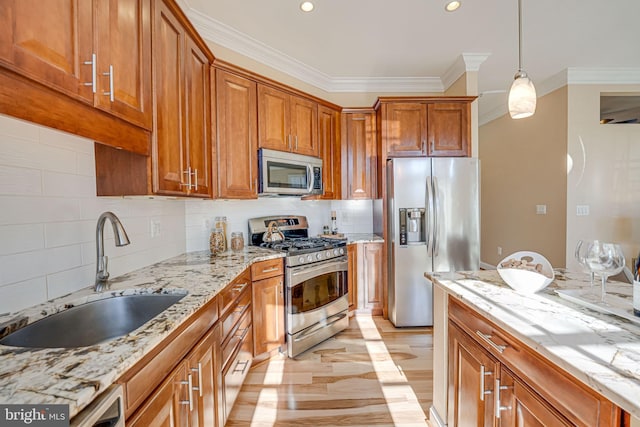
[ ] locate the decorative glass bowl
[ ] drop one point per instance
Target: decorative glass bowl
(526, 272)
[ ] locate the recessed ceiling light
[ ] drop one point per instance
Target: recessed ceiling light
(306, 6)
(452, 6)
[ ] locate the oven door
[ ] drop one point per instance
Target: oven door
(314, 293)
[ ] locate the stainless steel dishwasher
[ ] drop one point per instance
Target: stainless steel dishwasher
(107, 410)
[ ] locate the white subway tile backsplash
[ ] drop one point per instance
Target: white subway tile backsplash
(20, 181)
(65, 282)
(68, 185)
(68, 233)
(86, 164)
(28, 210)
(67, 141)
(22, 266)
(18, 128)
(21, 238)
(29, 154)
(18, 296)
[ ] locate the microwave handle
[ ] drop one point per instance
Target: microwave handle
(311, 178)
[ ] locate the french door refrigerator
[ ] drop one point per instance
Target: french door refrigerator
(433, 226)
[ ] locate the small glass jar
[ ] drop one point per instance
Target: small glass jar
(216, 241)
(237, 241)
(221, 222)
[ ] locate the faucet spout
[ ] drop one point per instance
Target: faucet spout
(102, 266)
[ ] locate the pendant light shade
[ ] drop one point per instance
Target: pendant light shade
(522, 96)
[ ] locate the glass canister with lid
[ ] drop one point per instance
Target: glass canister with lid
(237, 241)
(221, 222)
(217, 241)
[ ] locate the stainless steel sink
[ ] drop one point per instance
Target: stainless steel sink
(93, 322)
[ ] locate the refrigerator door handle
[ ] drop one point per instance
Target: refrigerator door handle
(436, 208)
(427, 216)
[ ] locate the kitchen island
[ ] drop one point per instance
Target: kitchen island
(76, 376)
(600, 351)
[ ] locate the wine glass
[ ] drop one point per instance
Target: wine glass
(580, 255)
(605, 259)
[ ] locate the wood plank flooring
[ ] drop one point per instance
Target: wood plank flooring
(371, 374)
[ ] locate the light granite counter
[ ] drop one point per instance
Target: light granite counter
(601, 350)
(363, 238)
(76, 376)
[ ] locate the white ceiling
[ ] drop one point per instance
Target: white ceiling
(347, 45)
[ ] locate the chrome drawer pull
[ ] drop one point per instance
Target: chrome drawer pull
(241, 332)
(93, 72)
(240, 308)
(483, 374)
(199, 369)
(270, 270)
(244, 364)
(500, 408)
(190, 401)
(487, 338)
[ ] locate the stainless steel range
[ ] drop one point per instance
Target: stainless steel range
(316, 300)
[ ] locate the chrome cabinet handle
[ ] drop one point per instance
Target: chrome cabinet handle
(244, 363)
(487, 338)
(269, 270)
(110, 74)
(189, 402)
(199, 370)
(289, 141)
(188, 174)
(296, 137)
(424, 147)
(93, 72)
(483, 373)
(195, 175)
(500, 408)
(433, 145)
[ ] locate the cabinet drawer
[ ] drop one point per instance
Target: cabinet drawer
(265, 269)
(229, 295)
(235, 372)
(242, 304)
(578, 403)
(240, 332)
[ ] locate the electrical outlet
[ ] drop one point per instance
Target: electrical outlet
(541, 209)
(499, 250)
(582, 210)
(154, 228)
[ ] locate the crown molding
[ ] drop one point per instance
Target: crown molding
(386, 84)
(463, 63)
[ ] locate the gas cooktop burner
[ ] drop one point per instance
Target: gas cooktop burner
(305, 245)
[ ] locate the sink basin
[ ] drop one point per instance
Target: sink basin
(93, 322)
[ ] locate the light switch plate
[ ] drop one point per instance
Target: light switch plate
(541, 209)
(582, 210)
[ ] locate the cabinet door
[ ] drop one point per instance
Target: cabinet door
(304, 126)
(169, 162)
(406, 129)
(123, 45)
(167, 406)
(352, 276)
(520, 407)
(472, 374)
(237, 136)
(274, 121)
(373, 280)
(202, 367)
(449, 129)
(329, 141)
(359, 155)
(49, 42)
(197, 116)
(268, 315)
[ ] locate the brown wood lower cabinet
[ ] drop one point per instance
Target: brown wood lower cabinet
(365, 281)
(494, 379)
(268, 307)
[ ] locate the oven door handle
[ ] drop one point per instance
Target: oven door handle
(320, 326)
(296, 275)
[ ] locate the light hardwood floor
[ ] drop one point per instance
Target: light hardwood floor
(371, 374)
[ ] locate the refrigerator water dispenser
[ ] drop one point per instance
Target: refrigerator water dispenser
(412, 226)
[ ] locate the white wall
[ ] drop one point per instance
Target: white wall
(48, 213)
(605, 174)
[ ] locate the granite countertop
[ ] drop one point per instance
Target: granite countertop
(76, 376)
(601, 350)
(362, 238)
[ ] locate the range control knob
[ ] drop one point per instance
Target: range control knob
(328, 254)
(335, 252)
(309, 258)
(319, 255)
(301, 259)
(341, 251)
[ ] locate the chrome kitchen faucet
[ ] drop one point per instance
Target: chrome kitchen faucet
(102, 267)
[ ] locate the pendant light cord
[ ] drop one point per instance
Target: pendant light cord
(519, 35)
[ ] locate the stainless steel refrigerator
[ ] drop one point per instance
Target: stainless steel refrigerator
(433, 226)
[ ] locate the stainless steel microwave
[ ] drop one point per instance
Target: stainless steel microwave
(283, 173)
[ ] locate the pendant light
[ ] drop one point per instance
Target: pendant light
(522, 96)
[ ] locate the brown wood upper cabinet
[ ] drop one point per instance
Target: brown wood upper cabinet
(359, 154)
(181, 149)
(287, 122)
(329, 136)
(237, 136)
(433, 127)
(95, 52)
